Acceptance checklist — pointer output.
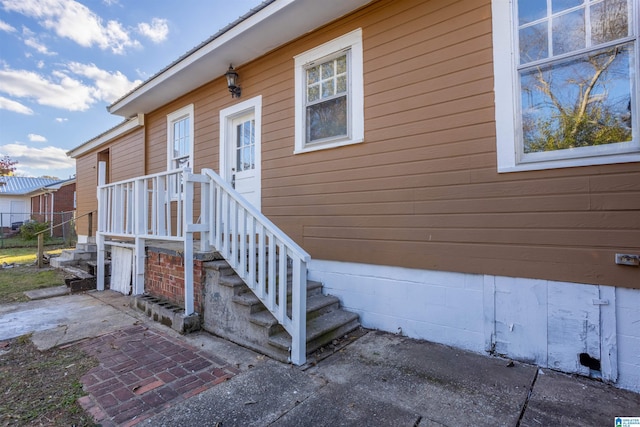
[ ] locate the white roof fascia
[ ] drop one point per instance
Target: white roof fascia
(119, 130)
(260, 33)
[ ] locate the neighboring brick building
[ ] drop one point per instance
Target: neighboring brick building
(55, 203)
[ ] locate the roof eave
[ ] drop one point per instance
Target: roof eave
(122, 129)
(259, 33)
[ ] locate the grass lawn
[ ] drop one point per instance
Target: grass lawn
(24, 276)
(14, 281)
(26, 255)
(41, 388)
(19, 242)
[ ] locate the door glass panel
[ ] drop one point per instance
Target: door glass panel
(245, 146)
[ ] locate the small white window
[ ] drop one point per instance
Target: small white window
(180, 138)
(329, 94)
(573, 97)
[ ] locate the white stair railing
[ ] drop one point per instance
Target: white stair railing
(161, 207)
(268, 261)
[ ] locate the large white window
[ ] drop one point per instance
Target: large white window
(566, 83)
(180, 138)
(329, 94)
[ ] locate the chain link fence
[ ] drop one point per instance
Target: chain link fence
(60, 225)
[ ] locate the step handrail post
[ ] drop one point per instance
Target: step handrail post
(299, 312)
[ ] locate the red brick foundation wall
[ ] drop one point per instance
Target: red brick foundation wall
(164, 277)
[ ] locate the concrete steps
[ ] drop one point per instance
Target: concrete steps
(80, 265)
(83, 253)
(232, 311)
(81, 280)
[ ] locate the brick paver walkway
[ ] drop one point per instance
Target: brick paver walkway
(142, 372)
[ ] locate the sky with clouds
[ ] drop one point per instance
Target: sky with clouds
(62, 62)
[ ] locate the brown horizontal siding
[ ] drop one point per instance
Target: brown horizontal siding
(127, 156)
(485, 235)
(562, 264)
(579, 221)
(86, 181)
(126, 161)
(422, 191)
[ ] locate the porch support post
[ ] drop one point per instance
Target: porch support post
(100, 259)
(102, 208)
(139, 258)
(299, 313)
(187, 219)
(139, 229)
(205, 214)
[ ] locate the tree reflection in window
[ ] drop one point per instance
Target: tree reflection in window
(582, 102)
(580, 99)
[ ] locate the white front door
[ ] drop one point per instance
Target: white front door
(240, 148)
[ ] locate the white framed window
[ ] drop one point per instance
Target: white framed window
(329, 94)
(180, 138)
(566, 83)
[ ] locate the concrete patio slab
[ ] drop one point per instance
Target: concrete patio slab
(150, 375)
(257, 397)
(386, 379)
(60, 320)
(570, 400)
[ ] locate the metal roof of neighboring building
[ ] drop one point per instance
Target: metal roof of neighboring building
(20, 186)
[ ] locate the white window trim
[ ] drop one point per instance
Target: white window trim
(226, 128)
(180, 114)
(352, 41)
(507, 105)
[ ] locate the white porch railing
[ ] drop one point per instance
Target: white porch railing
(151, 206)
(161, 207)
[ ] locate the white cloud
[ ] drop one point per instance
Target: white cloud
(157, 31)
(35, 44)
(40, 64)
(47, 158)
(16, 107)
(31, 40)
(74, 21)
(6, 27)
(109, 86)
(63, 90)
(34, 137)
(61, 119)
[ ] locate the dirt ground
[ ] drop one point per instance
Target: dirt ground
(41, 388)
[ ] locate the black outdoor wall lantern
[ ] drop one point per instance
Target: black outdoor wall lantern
(232, 82)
